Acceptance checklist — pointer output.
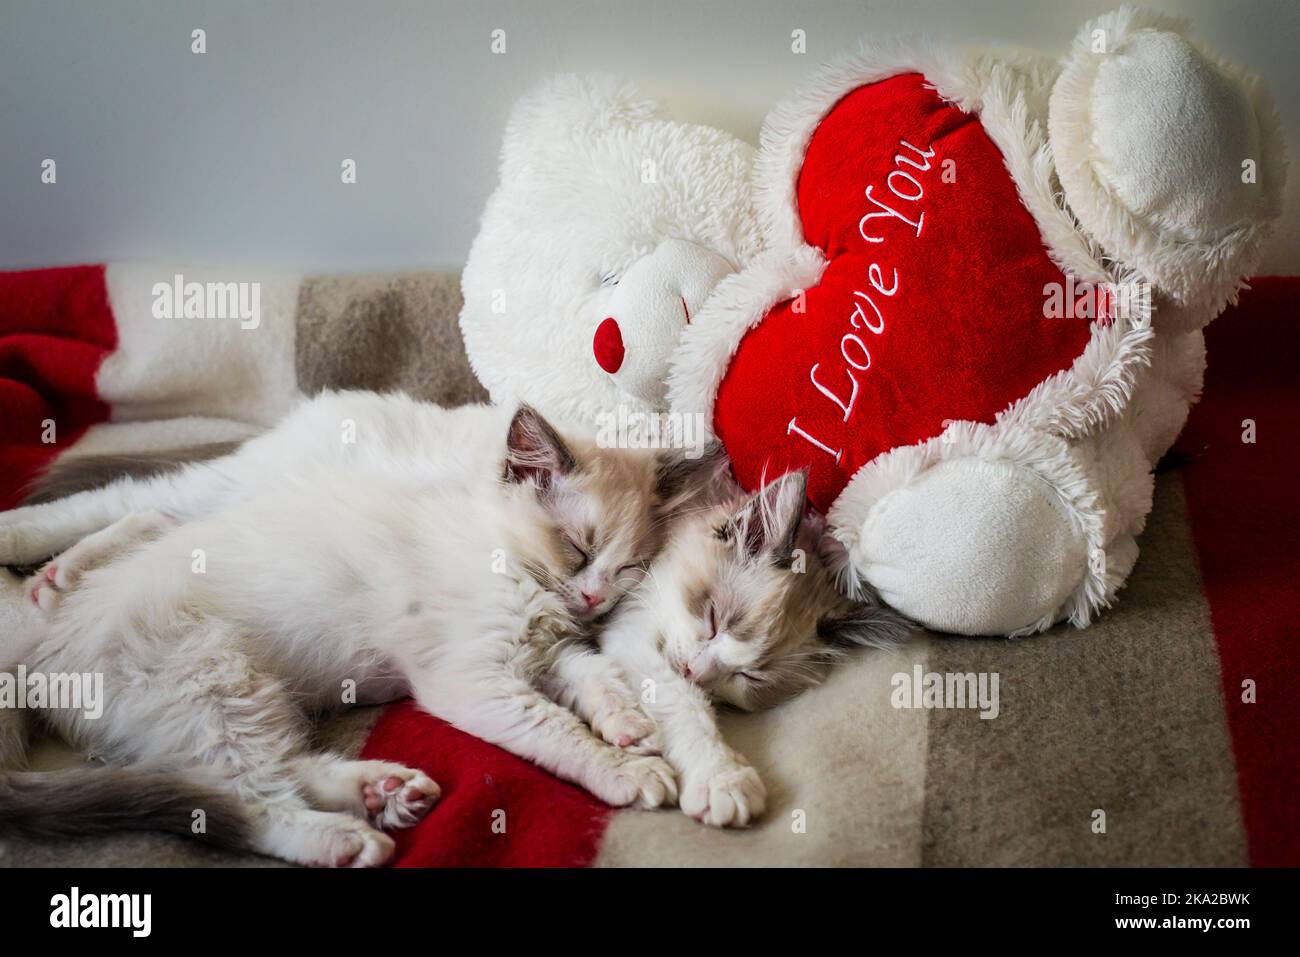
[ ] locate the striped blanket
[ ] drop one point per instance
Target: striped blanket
(1166, 734)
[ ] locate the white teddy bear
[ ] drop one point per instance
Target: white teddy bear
(610, 228)
(966, 291)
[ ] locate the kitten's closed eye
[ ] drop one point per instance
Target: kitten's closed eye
(583, 556)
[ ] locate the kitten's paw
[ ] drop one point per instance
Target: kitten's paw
(370, 849)
(396, 796)
(321, 839)
(359, 847)
(44, 590)
(728, 795)
(343, 842)
(641, 781)
(49, 586)
(627, 728)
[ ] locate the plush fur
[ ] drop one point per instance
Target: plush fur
(605, 209)
(1150, 141)
(1011, 524)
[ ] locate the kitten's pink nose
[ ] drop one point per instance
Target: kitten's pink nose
(591, 600)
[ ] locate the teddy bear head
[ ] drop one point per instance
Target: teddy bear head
(610, 227)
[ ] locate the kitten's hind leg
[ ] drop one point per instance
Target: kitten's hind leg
(304, 835)
(32, 533)
(210, 707)
(61, 573)
(386, 794)
(595, 687)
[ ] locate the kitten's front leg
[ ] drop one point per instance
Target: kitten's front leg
(718, 786)
(507, 711)
(595, 687)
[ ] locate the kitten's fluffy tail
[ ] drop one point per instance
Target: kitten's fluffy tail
(82, 802)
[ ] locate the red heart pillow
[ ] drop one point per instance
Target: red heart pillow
(931, 307)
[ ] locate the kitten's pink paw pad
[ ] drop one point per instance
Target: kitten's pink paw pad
(400, 798)
(49, 585)
(43, 589)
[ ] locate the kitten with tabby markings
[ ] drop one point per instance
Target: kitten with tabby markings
(385, 578)
(738, 609)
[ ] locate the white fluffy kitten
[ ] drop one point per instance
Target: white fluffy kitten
(388, 434)
(217, 638)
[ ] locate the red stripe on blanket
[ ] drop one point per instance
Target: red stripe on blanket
(1245, 518)
(56, 326)
(496, 810)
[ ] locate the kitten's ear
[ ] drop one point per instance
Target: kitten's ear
(864, 626)
(767, 525)
(681, 479)
(534, 451)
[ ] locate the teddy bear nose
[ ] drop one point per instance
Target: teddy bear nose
(608, 345)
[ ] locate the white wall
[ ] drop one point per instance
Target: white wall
(234, 156)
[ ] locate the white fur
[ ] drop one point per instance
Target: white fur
(350, 583)
(728, 613)
(1149, 139)
(1076, 453)
(394, 550)
(389, 433)
(596, 184)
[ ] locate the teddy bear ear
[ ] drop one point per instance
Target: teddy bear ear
(570, 107)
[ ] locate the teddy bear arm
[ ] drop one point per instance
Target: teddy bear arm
(974, 547)
(1169, 157)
